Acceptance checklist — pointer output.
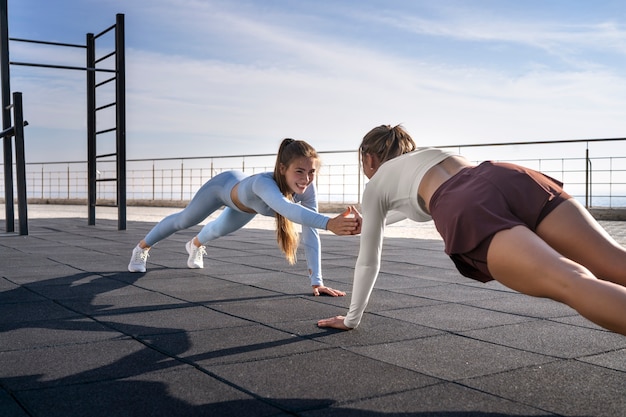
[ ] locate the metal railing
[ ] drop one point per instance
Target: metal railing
(595, 181)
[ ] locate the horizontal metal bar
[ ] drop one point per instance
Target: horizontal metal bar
(106, 106)
(106, 179)
(106, 131)
(109, 55)
(106, 155)
(104, 31)
(48, 43)
(458, 145)
(29, 64)
(106, 81)
(10, 131)
(539, 142)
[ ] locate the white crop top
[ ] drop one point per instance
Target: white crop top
(392, 190)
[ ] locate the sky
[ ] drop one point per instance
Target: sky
(230, 77)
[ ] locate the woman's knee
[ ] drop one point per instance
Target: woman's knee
(185, 220)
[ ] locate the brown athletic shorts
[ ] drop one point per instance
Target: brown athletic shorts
(472, 206)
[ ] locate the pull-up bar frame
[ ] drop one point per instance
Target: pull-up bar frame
(120, 112)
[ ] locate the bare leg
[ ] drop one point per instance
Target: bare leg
(521, 260)
(573, 232)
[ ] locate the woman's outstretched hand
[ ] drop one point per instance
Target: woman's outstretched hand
(334, 322)
(346, 223)
(320, 289)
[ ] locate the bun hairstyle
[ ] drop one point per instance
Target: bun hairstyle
(387, 142)
(286, 233)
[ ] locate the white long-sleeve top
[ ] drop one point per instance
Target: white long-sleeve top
(392, 190)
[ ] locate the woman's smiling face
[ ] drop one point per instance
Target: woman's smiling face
(300, 173)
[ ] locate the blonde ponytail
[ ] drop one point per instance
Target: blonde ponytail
(286, 233)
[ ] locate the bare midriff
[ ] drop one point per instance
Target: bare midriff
(237, 202)
(437, 175)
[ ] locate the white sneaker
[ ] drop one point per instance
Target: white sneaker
(195, 260)
(138, 260)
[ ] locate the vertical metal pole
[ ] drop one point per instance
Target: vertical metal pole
(20, 162)
(120, 115)
(153, 180)
(359, 176)
(587, 176)
(6, 116)
(91, 130)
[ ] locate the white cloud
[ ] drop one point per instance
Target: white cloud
(267, 81)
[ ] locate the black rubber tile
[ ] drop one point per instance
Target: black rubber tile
(12, 293)
(202, 289)
(456, 293)
(393, 281)
(327, 375)
(374, 330)
(553, 339)
(289, 283)
(524, 305)
(615, 360)
(9, 407)
(440, 400)
(454, 317)
(225, 269)
(184, 392)
(24, 271)
(271, 279)
(79, 363)
(576, 319)
(563, 387)
(384, 300)
(207, 348)
(451, 357)
(272, 311)
(170, 319)
(14, 315)
(121, 300)
(50, 333)
(80, 285)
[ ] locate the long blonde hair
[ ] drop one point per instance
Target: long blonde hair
(387, 142)
(286, 233)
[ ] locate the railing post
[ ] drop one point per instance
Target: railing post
(587, 179)
(358, 176)
(153, 182)
(182, 175)
(69, 185)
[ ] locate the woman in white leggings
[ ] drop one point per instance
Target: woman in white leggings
(288, 194)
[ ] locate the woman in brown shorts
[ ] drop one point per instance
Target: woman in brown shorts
(498, 221)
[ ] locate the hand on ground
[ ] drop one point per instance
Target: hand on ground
(320, 289)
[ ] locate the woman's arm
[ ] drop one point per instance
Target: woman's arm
(266, 189)
(367, 264)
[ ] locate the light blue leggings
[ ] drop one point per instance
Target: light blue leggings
(214, 194)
